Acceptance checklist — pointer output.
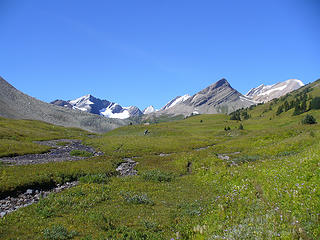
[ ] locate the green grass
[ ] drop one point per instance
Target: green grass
(80, 153)
(17, 136)
(62, 143)
(268, 189)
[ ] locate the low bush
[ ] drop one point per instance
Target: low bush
(245, 158)
(308, 119)
(58, 232)
(157, 176)
(95, 178)
(136, 198)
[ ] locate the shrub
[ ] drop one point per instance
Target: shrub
(94, 178)
(136, 198)
(308, 119)
(243, 159)
(157, 176)
(79, 153)
(58, 232)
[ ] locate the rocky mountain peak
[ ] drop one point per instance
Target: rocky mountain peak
(222, 83)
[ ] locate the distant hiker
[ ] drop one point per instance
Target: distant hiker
(146, 132)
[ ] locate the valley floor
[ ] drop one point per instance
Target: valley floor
(195, 180)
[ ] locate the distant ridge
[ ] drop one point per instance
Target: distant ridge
(17, 105)
(91, 104)
(265, 93)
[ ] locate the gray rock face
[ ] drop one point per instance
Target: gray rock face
(17, 105)
(220, 97)
(62, 103)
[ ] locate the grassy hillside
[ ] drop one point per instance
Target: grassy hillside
(266, 187)
(17, 136)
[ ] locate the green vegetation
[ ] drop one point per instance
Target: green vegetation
(136, 198)
(17, 136)
(80, 153)
(95, 178)
(196, 180)
(58, 232)
(158, 176)
(308, 119)
(62, 143)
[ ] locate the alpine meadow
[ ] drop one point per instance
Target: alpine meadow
(203, 177)
(160, 120)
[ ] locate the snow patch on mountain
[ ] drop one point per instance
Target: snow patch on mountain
(149, 109)
(265, 93)
(107, 112)
(176, 101)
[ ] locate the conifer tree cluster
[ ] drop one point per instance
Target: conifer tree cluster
(299, 104)
(240, 114)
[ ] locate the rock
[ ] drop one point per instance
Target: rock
(2, 214)
(29, 191)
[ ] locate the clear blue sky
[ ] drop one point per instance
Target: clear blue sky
(147, 52)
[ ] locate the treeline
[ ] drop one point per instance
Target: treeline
(301, 104)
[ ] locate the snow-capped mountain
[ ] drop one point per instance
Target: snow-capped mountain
(175, 101)
(265, 93)
(149, 110)
(91, 104)
(219, 97)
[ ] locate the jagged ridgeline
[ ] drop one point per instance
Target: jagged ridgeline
(17, 105)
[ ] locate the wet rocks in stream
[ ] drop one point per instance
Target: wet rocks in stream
(10, 204)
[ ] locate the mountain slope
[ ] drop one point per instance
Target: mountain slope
(175, 101)
(17, 105)
(220, 97)
(265, 93)
(91, 104)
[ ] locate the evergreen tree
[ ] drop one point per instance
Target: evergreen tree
(286, 106)
(297, 110)
(235, 116)
(308, 119)
(245, 115)
(303, 106)
(280, 110)
(291, 104)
